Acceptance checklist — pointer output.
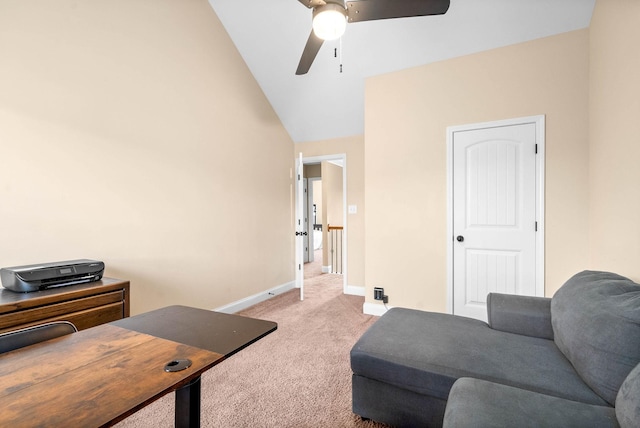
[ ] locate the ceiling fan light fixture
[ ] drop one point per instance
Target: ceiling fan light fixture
(329, 21)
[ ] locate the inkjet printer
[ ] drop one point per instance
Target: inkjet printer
(47, 275)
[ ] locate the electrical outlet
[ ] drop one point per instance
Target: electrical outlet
(378, 294)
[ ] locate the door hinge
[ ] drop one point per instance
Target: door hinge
(536, 226)
(299, 266)
(536, 149)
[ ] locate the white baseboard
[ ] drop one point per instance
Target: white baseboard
(326, 269)
(233, 307)
(354, 290)
(241, 304)
(376, 309)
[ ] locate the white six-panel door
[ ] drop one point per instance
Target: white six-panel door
(494, 214)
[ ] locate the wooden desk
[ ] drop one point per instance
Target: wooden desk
(92, 378)
(225, 334)
(101, 375)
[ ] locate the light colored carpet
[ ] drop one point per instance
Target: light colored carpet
(313, 269)
(298, 376)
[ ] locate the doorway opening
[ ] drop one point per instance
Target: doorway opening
(324, 179)
(313, 257)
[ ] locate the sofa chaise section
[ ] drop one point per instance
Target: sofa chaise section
(579, 346)
(411, 356)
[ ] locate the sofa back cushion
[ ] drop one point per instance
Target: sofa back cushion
(628, 400)
(596, 324)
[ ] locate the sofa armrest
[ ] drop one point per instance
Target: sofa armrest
(525, 315)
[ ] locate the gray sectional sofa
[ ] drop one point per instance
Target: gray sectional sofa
(556, 361)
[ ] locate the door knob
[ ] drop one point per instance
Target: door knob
(459, 238)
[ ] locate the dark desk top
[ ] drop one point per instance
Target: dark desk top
(222, 333)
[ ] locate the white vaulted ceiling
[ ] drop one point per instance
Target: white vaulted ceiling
(325, 103)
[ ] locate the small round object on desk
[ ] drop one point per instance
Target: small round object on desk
(177, 365)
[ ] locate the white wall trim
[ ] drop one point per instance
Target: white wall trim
(326, 269)
(241, 304)
(540, 190)
(355, 290)
(449, 302)
(539, 122)
(374, 309)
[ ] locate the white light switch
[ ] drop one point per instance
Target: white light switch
(353, 209)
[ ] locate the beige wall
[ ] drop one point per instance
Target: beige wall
(353, 148)
(132, 132)
(312, 171)
(122, 126)
(332, 193)
(406, 117)
(615, 137)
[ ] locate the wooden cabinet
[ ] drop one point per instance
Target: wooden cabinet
(85, 305)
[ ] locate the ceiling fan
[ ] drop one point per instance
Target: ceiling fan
(330, 18)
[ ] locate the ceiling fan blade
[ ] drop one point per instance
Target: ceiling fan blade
(369, 10)
(309, 54)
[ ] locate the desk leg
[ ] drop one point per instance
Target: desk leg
(188, 405)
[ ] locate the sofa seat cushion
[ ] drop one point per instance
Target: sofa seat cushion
(481, 404)
(628, 400)
(596, 324)
(427, 352)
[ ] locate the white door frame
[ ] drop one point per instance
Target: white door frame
(339, 157)
(299, 227)
(539, 122)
